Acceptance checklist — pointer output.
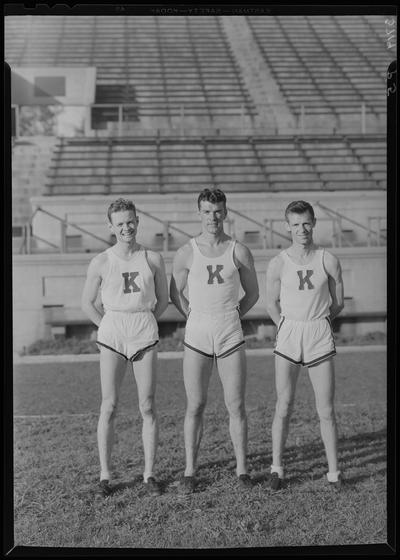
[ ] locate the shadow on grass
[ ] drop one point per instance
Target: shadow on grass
(359, 450)
(306, 461)
(136, 481)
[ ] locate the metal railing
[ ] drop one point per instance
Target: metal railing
(237, 117)
(265, 228)
(339, 217)
(167, 226)
(28, 235)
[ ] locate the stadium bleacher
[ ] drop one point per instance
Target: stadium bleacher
(328, 64)
(276, 105)
(167, 165)
(163, 64)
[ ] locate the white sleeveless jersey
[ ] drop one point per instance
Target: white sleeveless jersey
(304, 294)
(213, 282)
(128, 284)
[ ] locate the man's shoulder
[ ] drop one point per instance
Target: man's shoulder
(98, 262)
(331, 262)
(329, 257)
(183, 258)
(242, 251)
(100, 258)
(185, 251)
(276, 263)
(153, 256)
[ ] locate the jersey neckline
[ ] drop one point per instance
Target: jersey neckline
(140, 248)
(206, 256)
(306, 264)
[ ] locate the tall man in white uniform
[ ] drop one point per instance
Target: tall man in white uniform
(207, 275)
(304, 294)
(134, 293)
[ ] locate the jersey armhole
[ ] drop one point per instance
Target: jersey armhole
(107, 265)
(146, 258)
(323, 262)
(194, 246)
(233, 254)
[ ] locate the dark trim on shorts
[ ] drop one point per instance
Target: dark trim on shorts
(280, 324)
(308, 364)
(140, 353)
(231, 350)
(112, 349)
(321, 359)
(300, 363)
(198, 351)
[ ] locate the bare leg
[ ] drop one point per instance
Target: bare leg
(196, 376)
(286, 375)
(145, 371)
(112, 370)
(322, 377)
(232, 371)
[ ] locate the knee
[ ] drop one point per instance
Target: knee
(284, 407)
(195, 407)
(108, 408)
(147, 408)
(326, 413)
(236, 408)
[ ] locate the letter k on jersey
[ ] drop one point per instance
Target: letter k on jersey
(305, 280)
(215, 274)
(129, 282)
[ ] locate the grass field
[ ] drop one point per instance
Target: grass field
(56, 464)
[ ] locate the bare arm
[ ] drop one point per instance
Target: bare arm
(160, 282)
(248, 278)
(180, 271)
(335, 280)
(274, 289)
(91, 289)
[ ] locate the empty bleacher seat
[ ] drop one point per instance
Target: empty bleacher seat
(87, 166)
(326, 65)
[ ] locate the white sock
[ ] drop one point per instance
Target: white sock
(278, 470)
(332, 476)
(105, 476)
(146, 477)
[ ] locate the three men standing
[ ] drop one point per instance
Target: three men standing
(304, 293)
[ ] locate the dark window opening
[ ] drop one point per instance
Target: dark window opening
(48, 86)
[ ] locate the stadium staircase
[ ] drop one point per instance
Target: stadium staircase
(272, 108)
(319, 65)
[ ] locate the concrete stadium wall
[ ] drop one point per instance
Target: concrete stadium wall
(40, 281)
(30, 160)
(90, 213)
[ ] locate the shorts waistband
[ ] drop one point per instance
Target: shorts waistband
(120, 312)
(326, 318)
(214, 313)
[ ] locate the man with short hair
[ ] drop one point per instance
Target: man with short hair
(304, 293)
(210, 269)
(134, 294)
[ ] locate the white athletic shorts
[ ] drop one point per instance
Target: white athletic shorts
(305, 343)
(217, 334)
(128, 334)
